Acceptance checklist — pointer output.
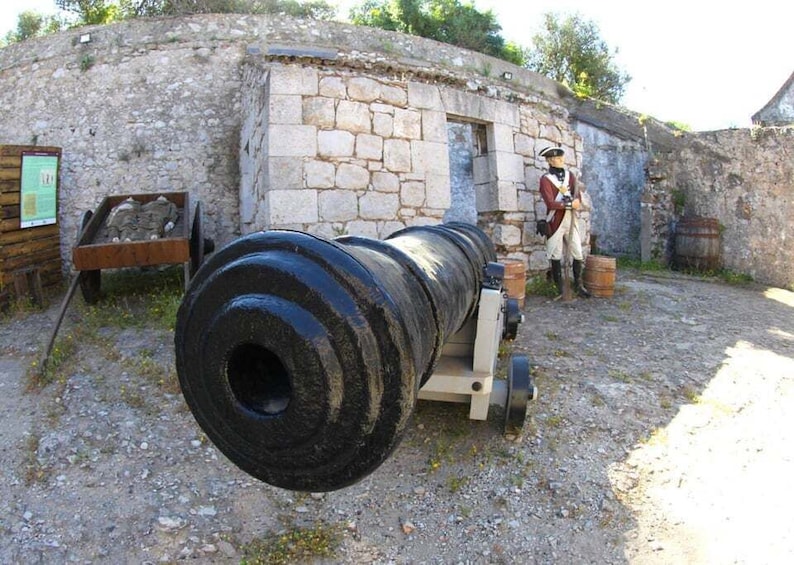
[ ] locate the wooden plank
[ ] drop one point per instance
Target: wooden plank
(9, 198)
(34, 259)
(17, 150)
(51, 275)
(9, 211)
(29, 234)
(25, 247)
(9, 225)
(130, 254)
(10, 174)
(11, 161)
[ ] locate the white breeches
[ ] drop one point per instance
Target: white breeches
(555, 245)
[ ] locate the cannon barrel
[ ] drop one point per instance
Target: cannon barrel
(301, 357)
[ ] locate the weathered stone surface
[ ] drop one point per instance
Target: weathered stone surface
(292, 207)
(338, 205)
(393, 95)
(369, 147)
(501, 139)
(379, 206)
(430, 157)
(353, 117)
(412, 193)
(334, 143)
(352, 176)
(438, 191)
(509, 236)
(333, 87)
(383, 181)
(507, 196)
(383, 124)
(407, 124)
(292, 141)
(284, 169)
(319, 174)
(509, 166)
(424, 96)
(363, 228)
(286, 109)
(397, 155)
(293, 80)
(319, 111)
(363, 89)
(434, 126)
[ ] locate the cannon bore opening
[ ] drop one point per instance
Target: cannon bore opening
(259, 380)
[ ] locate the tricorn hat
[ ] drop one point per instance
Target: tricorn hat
(552, 151)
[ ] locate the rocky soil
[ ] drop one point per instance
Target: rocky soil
(662, 434)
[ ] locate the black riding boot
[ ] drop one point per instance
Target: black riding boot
(556, 274)
(577, 279)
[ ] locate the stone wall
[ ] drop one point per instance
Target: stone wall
(330, 128)
(614, 176)
(743, 178)
(280, 123)
(337, 151)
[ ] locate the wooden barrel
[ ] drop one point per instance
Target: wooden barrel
(599, 275)
(697, 244)
(515, 280)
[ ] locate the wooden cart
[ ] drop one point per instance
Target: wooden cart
(95, 251)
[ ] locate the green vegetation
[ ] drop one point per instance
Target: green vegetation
(132, 298)
(138, 298)
(295, 545)
(679, 201)
(539, 285)
(448, 21)
(31, 24)
(572, 52)
(86, 62)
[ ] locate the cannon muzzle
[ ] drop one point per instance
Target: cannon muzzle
(301, 357)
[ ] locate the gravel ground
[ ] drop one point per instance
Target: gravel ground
(662, 434)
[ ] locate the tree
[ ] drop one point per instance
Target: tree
(32, 24)
(90, 12)
(572, 52)
(448, 21)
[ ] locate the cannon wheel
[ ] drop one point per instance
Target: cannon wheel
(196, 241)
(520, 390)
(90, 281)
(512, 319)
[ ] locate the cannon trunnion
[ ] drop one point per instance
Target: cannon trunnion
(302, 358)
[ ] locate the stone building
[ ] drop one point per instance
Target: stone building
(273, 122)
(779, 111)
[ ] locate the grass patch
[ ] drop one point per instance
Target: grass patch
(295, 545)
(34, 472)
(539, 285)
(152, 371)
(737, 279)
(639, 265)
(138, 298)
(61, 356)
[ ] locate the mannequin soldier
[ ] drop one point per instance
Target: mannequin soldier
(559, 191)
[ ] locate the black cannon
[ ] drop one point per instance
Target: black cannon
(302, 358)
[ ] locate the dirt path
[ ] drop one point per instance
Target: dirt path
(662, 435)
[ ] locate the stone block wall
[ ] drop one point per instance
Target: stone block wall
(744, 178)
(331, 150)
(275, 122)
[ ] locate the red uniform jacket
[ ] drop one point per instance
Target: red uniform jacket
(550, 192)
